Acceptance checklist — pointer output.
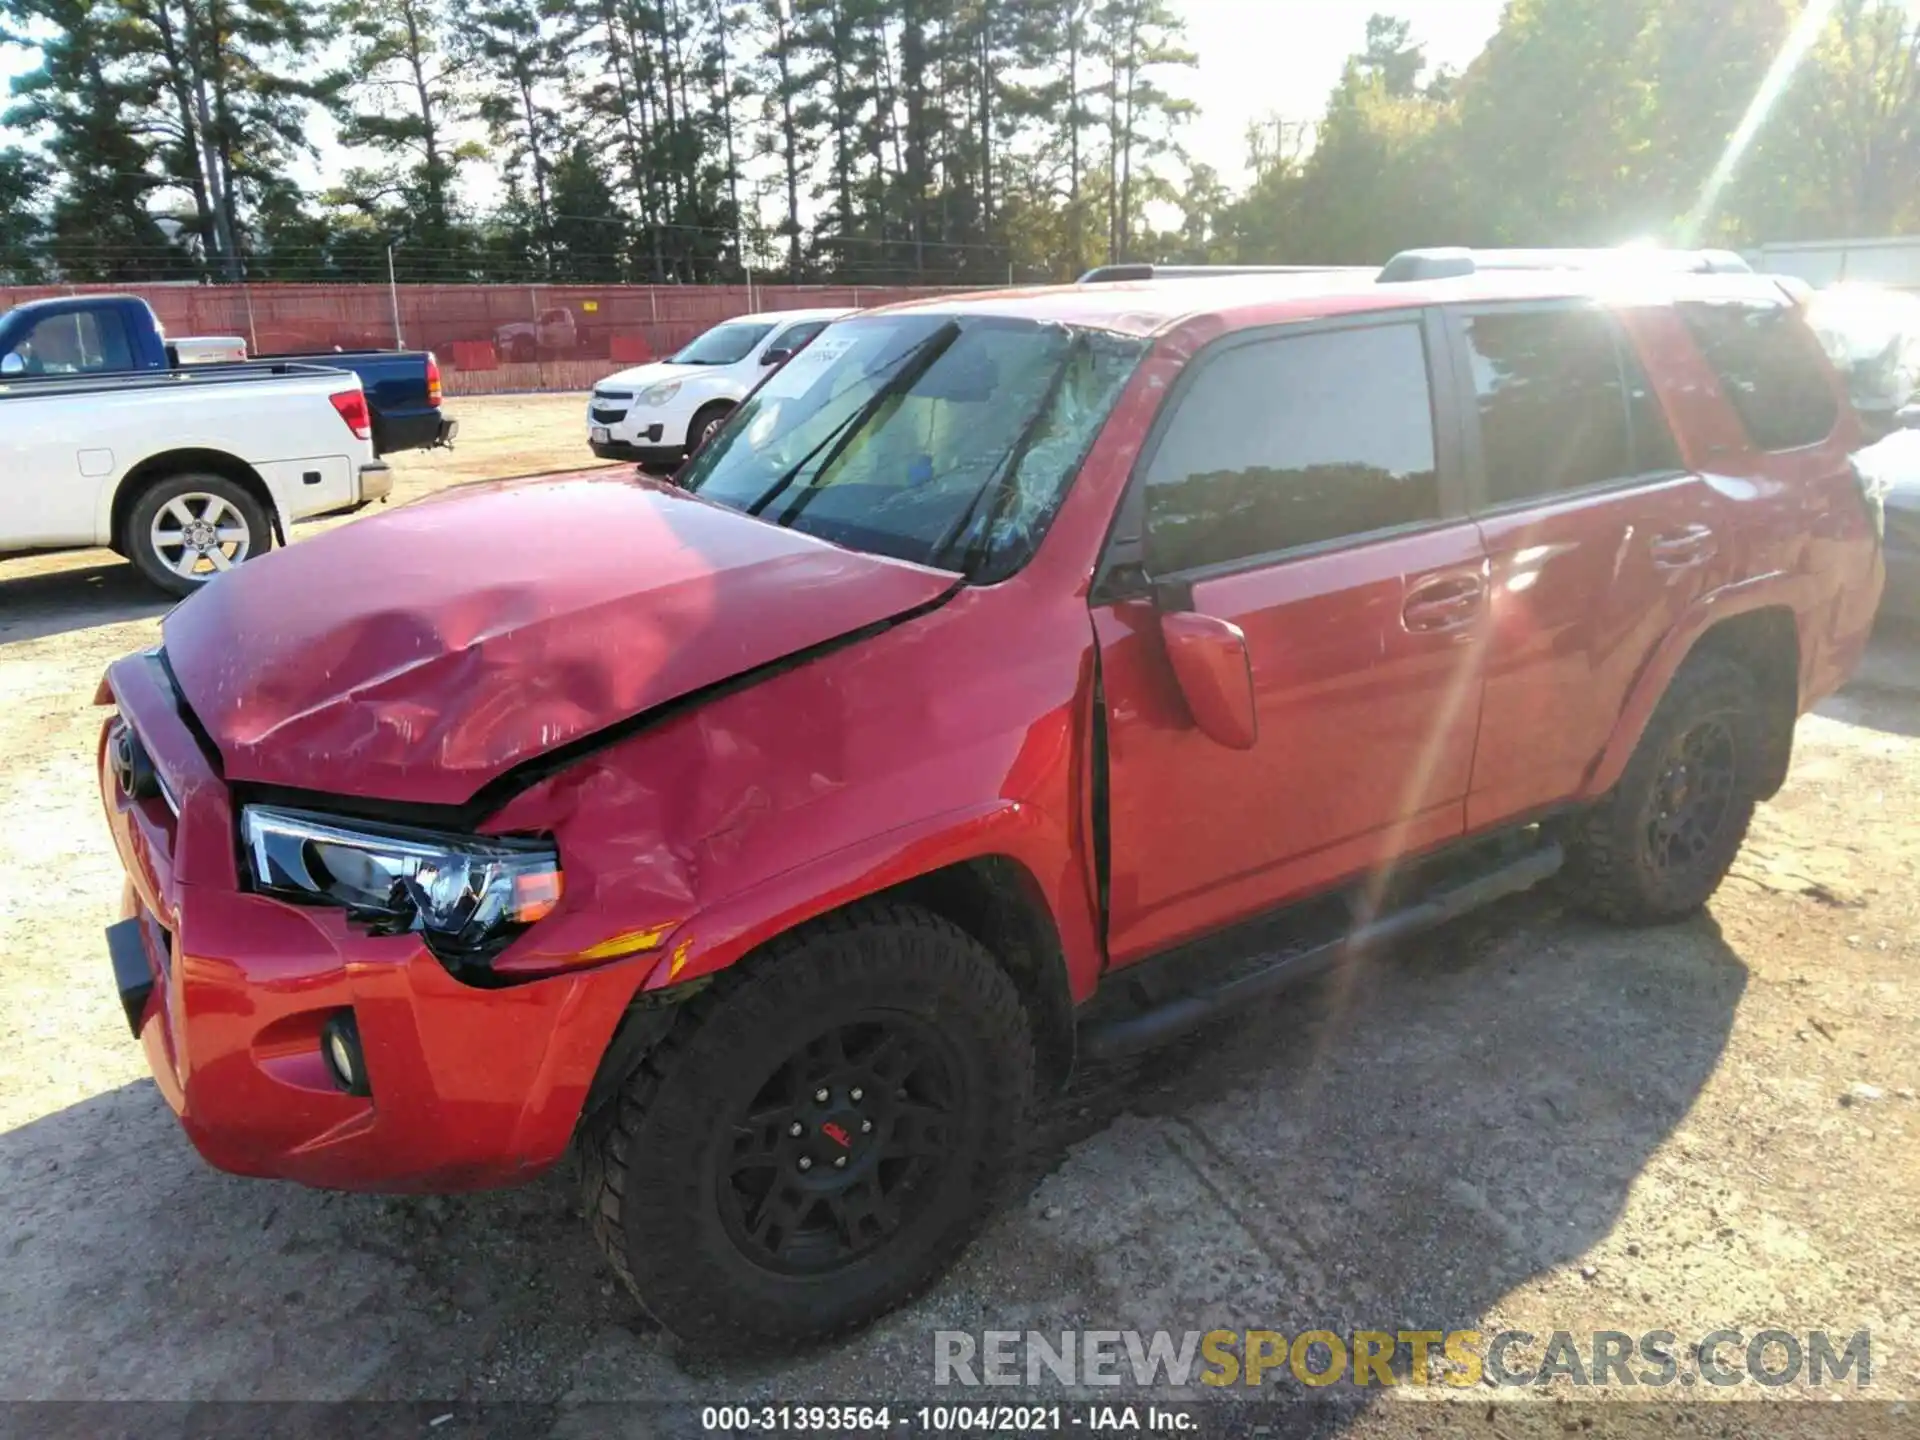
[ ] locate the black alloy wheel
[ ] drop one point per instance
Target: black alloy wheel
(841, 1146)
(1689, 803)
(818, 1132)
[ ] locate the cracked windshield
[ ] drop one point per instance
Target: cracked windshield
(946, 442)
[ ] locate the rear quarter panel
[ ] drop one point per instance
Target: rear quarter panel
(284, 431)
(1795, 534)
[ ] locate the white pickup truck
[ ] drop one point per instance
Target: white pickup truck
(187, 472)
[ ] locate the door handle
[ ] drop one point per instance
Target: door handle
(1680, 549)
(1449, 602)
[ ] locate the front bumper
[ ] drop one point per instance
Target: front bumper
(650, 435)
(648, 457)
(627, 439)
(470, 1088)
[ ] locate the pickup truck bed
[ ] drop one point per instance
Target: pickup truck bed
(406, 415)
(99, 336)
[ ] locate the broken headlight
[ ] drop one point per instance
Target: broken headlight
(466, 896)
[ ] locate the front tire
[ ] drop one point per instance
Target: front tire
(1659, 845)
(187, 528)
(704, 426)
(814, 1143)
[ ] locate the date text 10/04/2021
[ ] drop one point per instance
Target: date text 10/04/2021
(946, 1419)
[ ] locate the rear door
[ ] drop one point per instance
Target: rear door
(1302, 485)
(1598, 540)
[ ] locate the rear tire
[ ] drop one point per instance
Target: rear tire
(1659, 845)
(745, 1212)
(185, 529)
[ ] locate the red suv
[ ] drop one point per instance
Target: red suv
(1015, 677)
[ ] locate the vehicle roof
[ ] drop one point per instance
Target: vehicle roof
(1152, 307)
(69, 302)
(770, 317)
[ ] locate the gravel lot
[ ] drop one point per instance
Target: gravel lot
(1528, 1121)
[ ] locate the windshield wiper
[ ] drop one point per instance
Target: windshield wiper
(997, 487)
(924, 351)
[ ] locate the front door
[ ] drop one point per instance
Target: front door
(1299, 490)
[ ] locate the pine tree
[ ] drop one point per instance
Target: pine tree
(589, 231)
(23, 184)
(612, 106)
(1136, 38)
(788, 75)
(515, 48)
(232, 85)
(404, 98)
(86, 99)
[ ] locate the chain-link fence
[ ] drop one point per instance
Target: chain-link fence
(489, 339)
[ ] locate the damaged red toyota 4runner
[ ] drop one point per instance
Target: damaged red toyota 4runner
(1015, 678)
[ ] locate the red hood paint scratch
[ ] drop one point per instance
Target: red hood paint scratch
(417, 655)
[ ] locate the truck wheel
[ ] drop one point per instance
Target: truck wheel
(1660, 844)
(704, 424)
(814, 1143)
(185, 529)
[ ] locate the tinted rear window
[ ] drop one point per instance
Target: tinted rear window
(1771, 367)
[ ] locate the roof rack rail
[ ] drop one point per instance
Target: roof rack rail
(1114, 274)
(1447, 261)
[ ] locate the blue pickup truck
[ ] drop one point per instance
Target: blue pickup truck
(113, 334)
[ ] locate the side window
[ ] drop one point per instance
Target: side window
(796, 338)
(1563, 402)
(1293, 441)
(1771, 367)
(110, 343)
(1654, 450)
(76, 343)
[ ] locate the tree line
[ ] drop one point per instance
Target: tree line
(915, 140)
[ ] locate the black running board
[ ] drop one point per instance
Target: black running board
(1110, 1039)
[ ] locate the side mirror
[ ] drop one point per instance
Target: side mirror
(12, 364)
(1215, 672)
(776, 357)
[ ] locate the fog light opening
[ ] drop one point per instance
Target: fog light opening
(340, 1047)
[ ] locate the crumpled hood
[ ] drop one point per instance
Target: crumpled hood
(654, 373)
(416, 655)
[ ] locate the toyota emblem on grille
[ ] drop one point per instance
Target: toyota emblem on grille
(132, 768)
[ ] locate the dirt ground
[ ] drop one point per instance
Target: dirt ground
(1528, 1121)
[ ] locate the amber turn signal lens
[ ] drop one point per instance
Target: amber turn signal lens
(535, 894)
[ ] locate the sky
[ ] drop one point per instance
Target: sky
(1257, 58)
(1266, 57)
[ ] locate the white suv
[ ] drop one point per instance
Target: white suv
(655, 414)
